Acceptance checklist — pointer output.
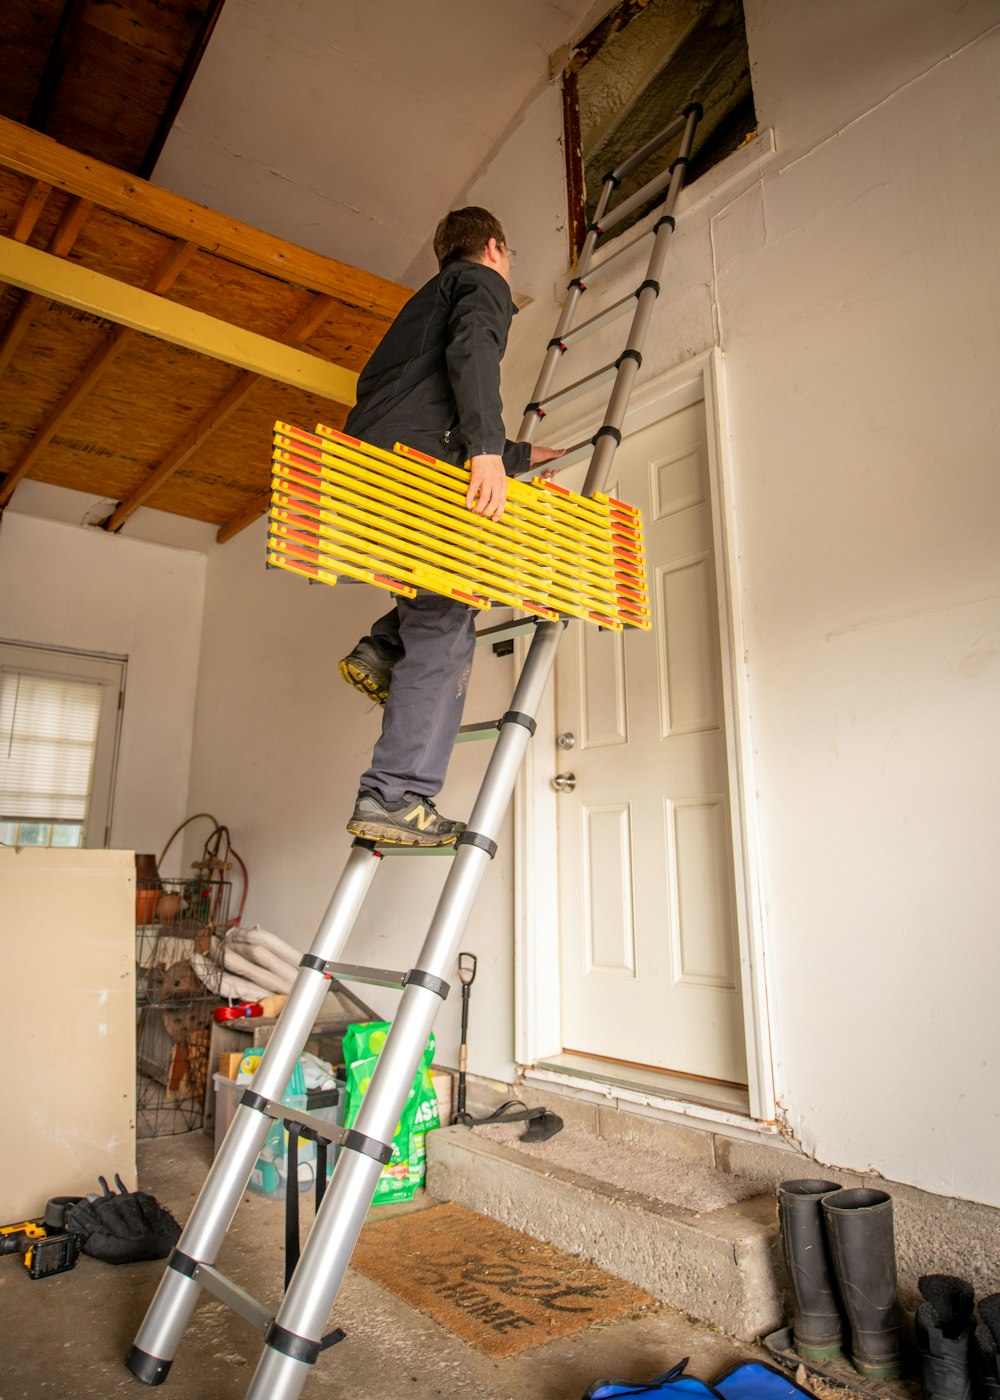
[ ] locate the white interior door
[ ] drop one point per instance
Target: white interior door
(649, 946)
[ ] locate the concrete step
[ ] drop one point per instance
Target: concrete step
(700, 1239)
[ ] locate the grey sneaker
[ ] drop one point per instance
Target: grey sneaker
(412, 821)
(369, 669)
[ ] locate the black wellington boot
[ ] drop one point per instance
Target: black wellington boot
(943, 1328)
(986, 1348)
(817, 1329)
(862, 1248)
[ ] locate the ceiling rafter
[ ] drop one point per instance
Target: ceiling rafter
(36, 156)
(74, 217)
(301, 329)
(163, 277)
(244, 277)
(31, 211)
(246, 517)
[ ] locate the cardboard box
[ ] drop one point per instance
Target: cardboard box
(444, 1088)
(229, 1063)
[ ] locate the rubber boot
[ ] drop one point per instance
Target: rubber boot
(817, 1329)
(862, 1249)
(986, 1348)
(943, 1327)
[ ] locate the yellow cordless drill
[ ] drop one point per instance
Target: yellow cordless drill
(43, 1253)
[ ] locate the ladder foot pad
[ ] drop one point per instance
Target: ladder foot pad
(151, 1370)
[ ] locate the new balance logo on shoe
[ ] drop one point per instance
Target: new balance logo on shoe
(421, 817)
(412, 821)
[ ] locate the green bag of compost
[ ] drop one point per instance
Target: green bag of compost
(401, 1177)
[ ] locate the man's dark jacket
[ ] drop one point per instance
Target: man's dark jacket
(433, 382)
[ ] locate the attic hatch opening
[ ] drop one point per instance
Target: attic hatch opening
(632, 75)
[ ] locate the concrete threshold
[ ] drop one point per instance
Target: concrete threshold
(699, 1239)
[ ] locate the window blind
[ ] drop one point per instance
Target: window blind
(48, 739)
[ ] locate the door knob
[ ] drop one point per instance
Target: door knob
(564, 782)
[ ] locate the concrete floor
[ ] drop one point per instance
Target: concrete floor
(66, 1336)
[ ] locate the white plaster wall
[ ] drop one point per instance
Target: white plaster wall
(857, 290)
(67, 587)
(851, 279)
(280, 742)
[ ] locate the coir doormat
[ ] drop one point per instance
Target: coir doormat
(495, 1287)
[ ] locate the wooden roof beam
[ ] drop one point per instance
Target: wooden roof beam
(31, 209)
(240, 522)
(37, 156)
(162, 279)
(74, 217)
(297, 333)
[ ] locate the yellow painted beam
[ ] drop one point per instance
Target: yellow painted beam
(77, 286)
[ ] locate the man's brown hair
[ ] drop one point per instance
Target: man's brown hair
(464, 233)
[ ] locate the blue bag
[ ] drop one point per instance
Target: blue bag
(747, 1380)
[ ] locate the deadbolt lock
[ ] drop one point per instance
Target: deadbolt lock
(566, 741)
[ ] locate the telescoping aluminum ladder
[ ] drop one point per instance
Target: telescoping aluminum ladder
(294, 1338)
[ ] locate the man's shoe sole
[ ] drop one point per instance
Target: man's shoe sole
(388, 835)
(363, 680)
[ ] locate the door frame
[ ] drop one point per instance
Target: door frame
(537, 1012)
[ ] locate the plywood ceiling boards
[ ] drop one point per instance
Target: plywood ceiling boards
(99, 77)
(150, 396)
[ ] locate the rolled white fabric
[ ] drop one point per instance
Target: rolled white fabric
(266, 977)
(278, 945)
(260, 938)
(227, 985)
(262, 957)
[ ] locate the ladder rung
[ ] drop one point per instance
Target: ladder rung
(628, 206)
(504, 631)
(234, 1297)
(318, 1128)
(570, 457)
(374, 976)
(482, 729)
(653, 144)
(610, 313)
(384, 849)
(610, 258)
(415, 850)
(589, 381)
(576, 453)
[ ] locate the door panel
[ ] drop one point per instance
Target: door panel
(609, 913)
(603, 706)
(649, 962)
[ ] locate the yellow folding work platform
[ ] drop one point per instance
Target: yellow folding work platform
(399, 520)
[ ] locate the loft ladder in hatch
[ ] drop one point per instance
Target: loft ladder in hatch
(295, 1337)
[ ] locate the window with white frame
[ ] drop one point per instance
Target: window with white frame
(59, 723)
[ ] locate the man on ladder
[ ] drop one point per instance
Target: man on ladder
(295, 1336)
(433, 383)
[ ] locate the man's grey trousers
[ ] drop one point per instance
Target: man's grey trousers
(434, 639)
